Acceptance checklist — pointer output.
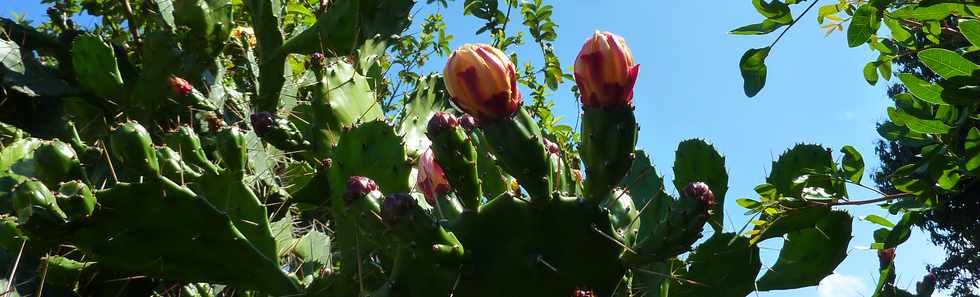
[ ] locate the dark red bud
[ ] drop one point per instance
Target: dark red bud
(262, 122)
(700, 191)
(552, 147)
(441, 121)
(468, 122)
(358, 187)
(316, 59)
(583, 293)
(929, 279)
(396, 208)
(886, 256)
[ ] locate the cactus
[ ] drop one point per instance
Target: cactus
(342, 196)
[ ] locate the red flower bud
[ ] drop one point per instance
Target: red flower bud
(482, 82)
(180, 86)
(262, 122)
(441, 121)
(396, 208)
(468, 122)
(358, 187)
(552, 147)
(605, 72)
(702, 192)
(431, 180)
(583, 293)
(886, 256)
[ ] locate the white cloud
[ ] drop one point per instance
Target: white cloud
(840, 285)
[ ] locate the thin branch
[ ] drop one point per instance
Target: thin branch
(793, 23)
(131, 19)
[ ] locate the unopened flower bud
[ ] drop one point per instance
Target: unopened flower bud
(700, 191)
(262, 122)
(432, 179)
(605, 72)
(886, 257)
(396, 208)
(483, 82)
(468, 122)
(180, 86)
(358, 187)
(441, 121)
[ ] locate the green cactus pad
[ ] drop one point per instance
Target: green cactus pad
(429, 97)
(454, 150)
(342, 99)
(228, 193)
(233, 149)
(76, 200)
(369, 17)
(186, 142)
(707, 275)
(608, 140)
(94, 60)
(698, 161)
(372, 150)
(810, 254)
(495, 182)
(650, 197)
(169, 232)
(132, 149)
(800, 161)
(173, 167)
(519, 147)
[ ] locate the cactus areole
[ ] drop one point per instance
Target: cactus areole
(605, 72)
(483, 82)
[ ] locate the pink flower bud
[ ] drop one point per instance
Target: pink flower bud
(886, 257)
(702, 192)
(358, 187)
(468, 122)
(441, 121)
(482, 82)
(552, 147)
(431, 180)
(180, 86)
(605, 72)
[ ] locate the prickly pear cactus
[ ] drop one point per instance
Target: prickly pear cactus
(217, 160)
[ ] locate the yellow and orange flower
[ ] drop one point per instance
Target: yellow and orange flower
(483, 82)
(605, 71)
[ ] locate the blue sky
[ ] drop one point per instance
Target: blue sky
(689, 87)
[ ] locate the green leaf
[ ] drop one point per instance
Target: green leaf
(747, 203)
(885, 69)
(922, 89)
(772, 10)
(902, 231)
(972, 149)
(933, 12)
(899, 33)
(698, 161)
(878, 220)
(947, 63)
(970, 30)
(853, 164)
(753, 67)
(829, 9)
(166, 9)
(916, 124)
(871, 73)
(707, 276)
(864, 23)
(809, 255)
